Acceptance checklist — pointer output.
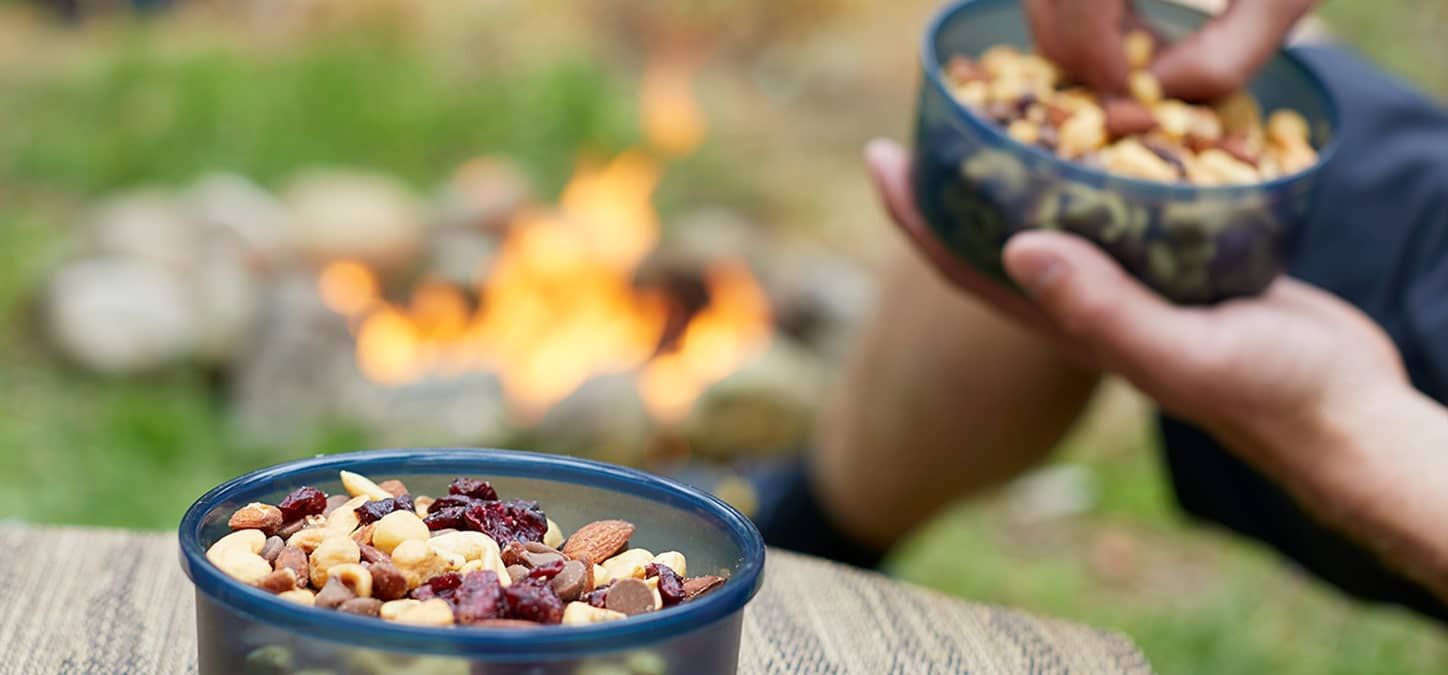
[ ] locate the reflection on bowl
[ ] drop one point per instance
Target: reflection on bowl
(976, 186)
(241, 629)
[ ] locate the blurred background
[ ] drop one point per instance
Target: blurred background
(237, 233)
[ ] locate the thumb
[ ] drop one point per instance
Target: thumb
(1087, 295)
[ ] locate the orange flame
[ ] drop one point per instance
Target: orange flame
(558, 305)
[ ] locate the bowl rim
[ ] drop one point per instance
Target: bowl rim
(931, 65)
(512, 644)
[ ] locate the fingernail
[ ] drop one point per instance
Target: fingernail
(877, 148)
(1036, 269)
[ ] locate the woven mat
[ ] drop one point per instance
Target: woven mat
(104, 601)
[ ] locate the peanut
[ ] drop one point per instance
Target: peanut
(1025, 131)
(974, 93)
(353, 576)
(344, 520)
(417, 562)
(1138, 46)
(434, 612)
(301, 596)
(421, 504)
(1217, 167)
(1144, 87)
(582, 614)
(629, 564)
(309, 539)
(1129, 157)
(397, 527)
(1083, 132)
(601, 577)
(674, 560)
(335, 550)
(553, 538)
(358, 485)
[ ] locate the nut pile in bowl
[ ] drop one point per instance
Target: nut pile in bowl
(467, 558)
(1141, 136)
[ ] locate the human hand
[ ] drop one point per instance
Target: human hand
(1085, 38)
(1263, 374)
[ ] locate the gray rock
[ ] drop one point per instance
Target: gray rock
(120, 316)
(149, 225)
(343, 214)
(233, 207)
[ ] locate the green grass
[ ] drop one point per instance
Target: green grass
(80, 449)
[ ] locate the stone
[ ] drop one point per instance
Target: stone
(362, 216)
(483, 194)
(234, 207)
(604, 418)
(148, 225)
(765, 407)
(120, 316)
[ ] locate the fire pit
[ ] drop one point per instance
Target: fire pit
(481, 316)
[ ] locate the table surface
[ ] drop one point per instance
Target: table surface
(80, 600)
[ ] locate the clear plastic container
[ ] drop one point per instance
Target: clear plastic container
(976, 186)
(243, 630)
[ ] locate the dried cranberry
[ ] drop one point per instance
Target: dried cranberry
(438, 519)
(303, 501)
(451, 501)
(440, 586)
(472, 487)
(478, 598)
(515, 520)
(671, 587)
(372, 511)
(533, 600)
(597, 597)
(546, 571)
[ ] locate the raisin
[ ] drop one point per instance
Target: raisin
(547, 571)
(472, 487)
(479, 598)
(532, 600)
(597, 597)
(372, 511)
(447, 518)
(304, 501)
(515, 520)
(440, 586)
(671, 587)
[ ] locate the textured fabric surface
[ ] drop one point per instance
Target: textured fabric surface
(78, 600)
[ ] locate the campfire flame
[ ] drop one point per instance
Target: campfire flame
(558, 304)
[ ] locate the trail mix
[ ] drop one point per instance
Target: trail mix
(1142, 135)
(468, 558)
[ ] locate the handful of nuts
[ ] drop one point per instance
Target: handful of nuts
(1141, 135)
(467, 558)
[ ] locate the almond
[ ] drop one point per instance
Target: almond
(393, 487)
(598, 540)
(697, 586)
(257, 516)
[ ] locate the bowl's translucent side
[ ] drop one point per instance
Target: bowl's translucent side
(235, 639)
(976, 187)
(232, 643)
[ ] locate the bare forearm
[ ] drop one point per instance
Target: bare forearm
(942, 398)
(1379, 474)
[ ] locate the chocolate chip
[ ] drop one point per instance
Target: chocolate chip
(291, 527)
(517, 572)
(630, 596)
(333, 594)
(372, 555)
(362, 606)
(529, 554)
(271, 548)
(575, 578)
(697, 586)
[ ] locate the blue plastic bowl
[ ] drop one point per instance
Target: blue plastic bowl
(241, 629)
(976, 186)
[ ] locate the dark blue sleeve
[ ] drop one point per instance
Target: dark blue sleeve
(1378, 235)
